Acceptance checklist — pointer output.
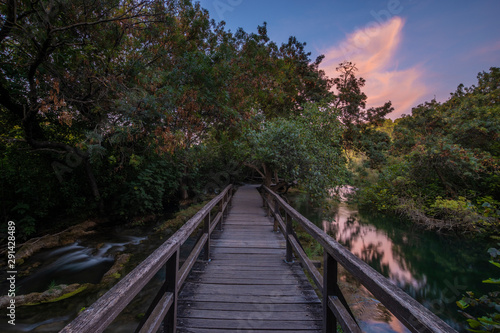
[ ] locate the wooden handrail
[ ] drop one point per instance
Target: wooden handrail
(412, 314)
(99, 315)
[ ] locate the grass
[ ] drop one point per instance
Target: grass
(180, 218)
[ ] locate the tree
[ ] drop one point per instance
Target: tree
(277, 81)
(106, 97)
(444, 168)
(456, 143)
(305, 149)
(58, 68)
(359, 122)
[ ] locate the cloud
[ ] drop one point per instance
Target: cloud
(490, 52)
(374, 50)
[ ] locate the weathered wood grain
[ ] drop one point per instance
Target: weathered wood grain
(412, 314)
(257, 322)
(247, 286)
(100, 314)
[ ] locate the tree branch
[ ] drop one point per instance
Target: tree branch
(10, 20)
(124, 16)
(255, 168)
(6, 101)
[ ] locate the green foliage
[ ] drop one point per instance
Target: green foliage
(358, 121)
(483, 312)
(153, 182)
(136, 104)
(28, 185)
(442, 167)
(180, 218)
(304, 149)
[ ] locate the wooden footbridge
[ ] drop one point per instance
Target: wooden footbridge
(245, 276)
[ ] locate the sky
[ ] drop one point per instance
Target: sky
(409, 51)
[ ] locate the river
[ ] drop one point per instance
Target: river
(84, 262)
(434, 269)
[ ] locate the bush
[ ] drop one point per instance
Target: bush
(485, 310)
(154, 183)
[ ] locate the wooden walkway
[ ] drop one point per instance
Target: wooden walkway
(247, 286)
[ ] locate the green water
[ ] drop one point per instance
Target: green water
(434, 269)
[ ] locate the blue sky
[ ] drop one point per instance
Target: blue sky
(409, 51)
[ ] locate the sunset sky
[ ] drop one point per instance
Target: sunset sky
(409, 51)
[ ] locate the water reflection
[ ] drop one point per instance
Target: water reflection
(434, 269)
(371, 245)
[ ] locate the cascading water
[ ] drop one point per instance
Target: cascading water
(74, 263)
(85, 261)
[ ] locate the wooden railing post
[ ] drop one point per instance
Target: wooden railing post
(264, 202)
(289, 233)
(163, 310)
(329, 289)
(226, 203)
(231, 192)
(221, 210)
(171, 270)
(276, 212)
(224, 210)
(206, 230)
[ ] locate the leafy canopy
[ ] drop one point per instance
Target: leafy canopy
(305, 148)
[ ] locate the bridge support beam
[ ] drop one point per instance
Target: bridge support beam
(330, 271)
(171, 269)
(206, 230)
(289, 232)
(276, 212)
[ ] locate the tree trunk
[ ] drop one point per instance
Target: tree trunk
(268, 179)
(183, 192)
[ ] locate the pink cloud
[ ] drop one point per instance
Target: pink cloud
(374, 50)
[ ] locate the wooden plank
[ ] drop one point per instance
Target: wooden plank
(243, 330)
(242, 279)
(247, 285)
(412, 314)
(190, 261)
(249, 257)
(249, 250)
(343, 316)
(316, 276)
(262, 243)
(249, 323)
(153, 323)
(228, 273)
(241, 315)
(313, 308)
(264, 299)
(243, 290)
(99, 315)
(252, 282)
(238, 265)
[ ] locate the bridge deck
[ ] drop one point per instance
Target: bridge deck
(247, 286)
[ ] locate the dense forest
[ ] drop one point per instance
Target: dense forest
(439, 167)
(127, 109)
